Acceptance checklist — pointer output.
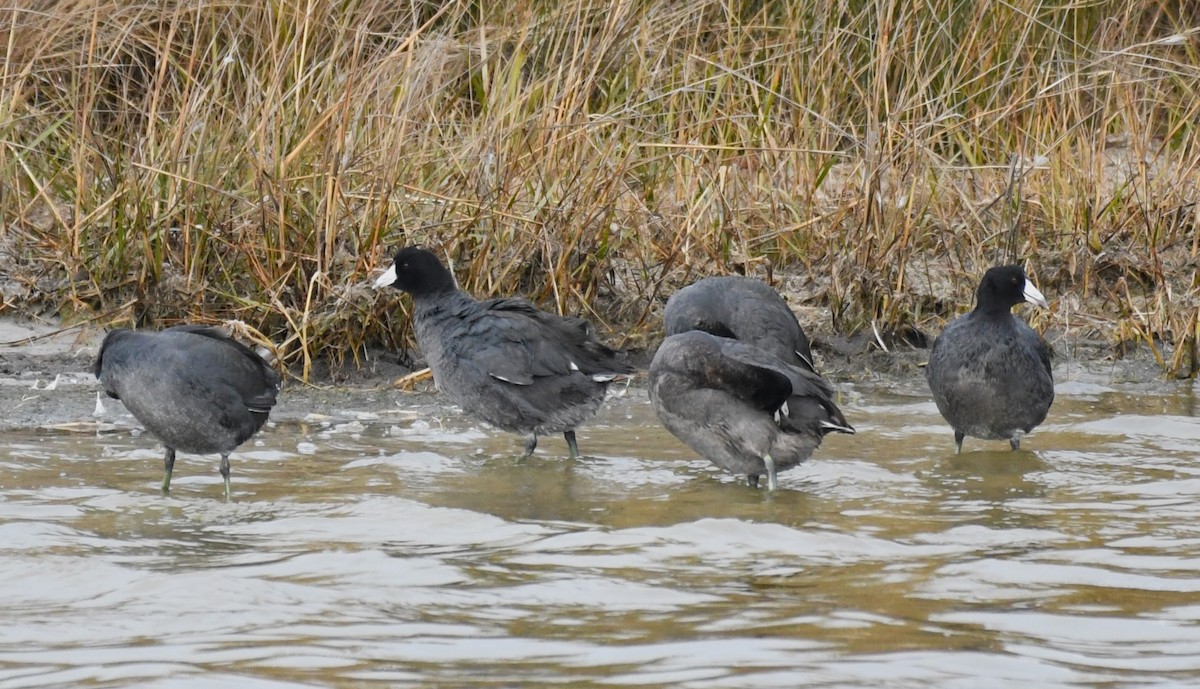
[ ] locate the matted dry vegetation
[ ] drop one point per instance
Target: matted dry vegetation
(223, 159)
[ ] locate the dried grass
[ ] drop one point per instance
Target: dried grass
(210, 160)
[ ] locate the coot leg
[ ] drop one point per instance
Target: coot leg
(530, 445)
(225, 474)
(571, 444)
(168, 467)
(958, 438)
(772, 481)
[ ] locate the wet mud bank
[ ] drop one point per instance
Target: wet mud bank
(46, 378)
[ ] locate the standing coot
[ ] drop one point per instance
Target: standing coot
(740, 407)
(741, 308)
(193, 387)
(503, 360)
(989, 371)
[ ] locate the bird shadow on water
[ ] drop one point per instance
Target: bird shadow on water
(989, 483)
(616, 491)
(989, 462)
(167, 532)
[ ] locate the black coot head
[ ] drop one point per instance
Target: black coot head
(416, 271)
(1003, 287)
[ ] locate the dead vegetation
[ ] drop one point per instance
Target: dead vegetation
(205, 160)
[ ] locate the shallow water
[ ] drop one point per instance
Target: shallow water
(412, 549)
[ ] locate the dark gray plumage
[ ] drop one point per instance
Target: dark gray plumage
(503, 360)
(193, 387)
(740, 407)
(741, 308)
(990, 372)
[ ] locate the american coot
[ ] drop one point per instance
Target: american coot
(503, 360)
(196, 389)
(740, 407)
(741, 308)
(990, 372)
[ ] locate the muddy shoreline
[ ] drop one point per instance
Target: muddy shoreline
(46, 380)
